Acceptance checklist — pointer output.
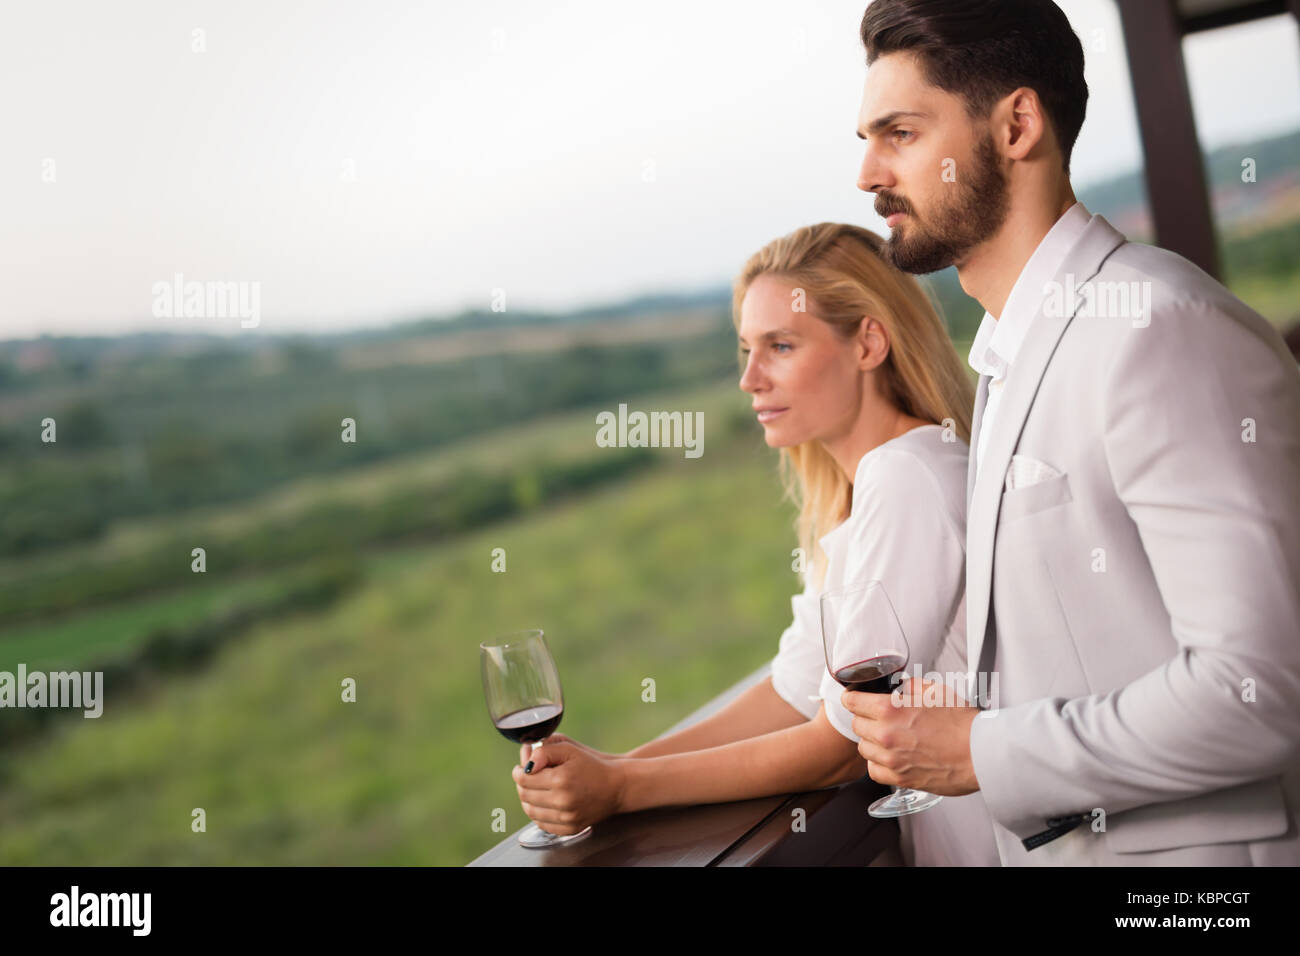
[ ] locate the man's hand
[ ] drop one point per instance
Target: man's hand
(909, 744)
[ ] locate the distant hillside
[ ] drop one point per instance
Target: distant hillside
(1123, 199)
(1273, 198)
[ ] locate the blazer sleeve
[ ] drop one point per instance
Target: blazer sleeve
(1218, 519)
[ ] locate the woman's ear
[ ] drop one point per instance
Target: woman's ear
(873, 343)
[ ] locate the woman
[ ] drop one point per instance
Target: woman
(854, 379)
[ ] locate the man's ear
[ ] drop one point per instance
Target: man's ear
(1020, 123)
(873, 343)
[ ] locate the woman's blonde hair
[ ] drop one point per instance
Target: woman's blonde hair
(844, 277)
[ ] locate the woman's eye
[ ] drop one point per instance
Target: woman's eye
(781, 345)
(744, 351)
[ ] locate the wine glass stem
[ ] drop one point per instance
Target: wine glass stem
(532, 755)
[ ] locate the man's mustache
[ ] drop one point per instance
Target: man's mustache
(887, 205)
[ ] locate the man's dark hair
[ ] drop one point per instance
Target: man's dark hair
(984, 49)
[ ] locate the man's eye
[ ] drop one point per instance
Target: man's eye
(902, 132)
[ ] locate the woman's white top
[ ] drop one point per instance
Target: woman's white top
(907, 529)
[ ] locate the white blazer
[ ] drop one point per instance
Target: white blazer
(1134, 572)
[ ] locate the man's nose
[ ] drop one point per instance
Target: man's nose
(873, 176)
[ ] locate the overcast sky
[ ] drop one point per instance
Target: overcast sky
(369, 162)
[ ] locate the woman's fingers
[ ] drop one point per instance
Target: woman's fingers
(526, 750)
(537, 760)
(546, 799)
(548, 817)
(535, 780)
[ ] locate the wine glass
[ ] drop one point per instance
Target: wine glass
(865, 648)
(524, 700)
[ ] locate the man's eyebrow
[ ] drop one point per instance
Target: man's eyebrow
(775, 334)
(888, 120)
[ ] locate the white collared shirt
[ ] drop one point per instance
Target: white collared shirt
(906, 528)
(998, 340)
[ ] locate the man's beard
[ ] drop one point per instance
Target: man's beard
(958, 225)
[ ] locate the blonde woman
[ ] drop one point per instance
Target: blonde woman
(853, 377)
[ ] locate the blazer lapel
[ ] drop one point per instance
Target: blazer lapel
(1098, 241)
(977, 419)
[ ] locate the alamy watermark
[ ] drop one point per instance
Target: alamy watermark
(75, 908)
(84, 689)
(653, 430)
(1099, 300)
(179, 299)
(947, 689)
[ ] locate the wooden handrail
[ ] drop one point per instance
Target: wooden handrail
(833, 829)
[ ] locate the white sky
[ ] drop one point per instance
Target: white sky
(495, 145)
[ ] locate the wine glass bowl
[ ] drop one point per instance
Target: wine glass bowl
(866, 650)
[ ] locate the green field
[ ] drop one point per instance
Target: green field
(328, 561)
(81, 639)
(681, 573)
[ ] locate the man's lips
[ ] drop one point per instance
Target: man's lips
(894, 219)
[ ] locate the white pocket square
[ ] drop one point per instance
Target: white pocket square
(1025, 471)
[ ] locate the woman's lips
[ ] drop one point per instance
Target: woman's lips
(767, 415)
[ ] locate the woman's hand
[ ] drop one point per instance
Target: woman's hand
(526, 750)
(570, 786)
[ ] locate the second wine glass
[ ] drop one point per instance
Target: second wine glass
(865, 648)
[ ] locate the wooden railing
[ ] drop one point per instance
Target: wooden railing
(833, 830)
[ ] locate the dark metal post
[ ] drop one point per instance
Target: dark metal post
(1175, 172)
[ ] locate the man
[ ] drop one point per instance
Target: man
(1133, 536)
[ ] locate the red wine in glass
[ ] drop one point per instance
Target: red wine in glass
(531, 724)
(872, 676)
(866, 650)
(524, 700)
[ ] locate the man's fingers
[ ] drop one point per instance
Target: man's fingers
(863, 704)
(882, 774)
(872, 731)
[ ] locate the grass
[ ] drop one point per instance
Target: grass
(116, 631)
(681, 574)
(1277, 298)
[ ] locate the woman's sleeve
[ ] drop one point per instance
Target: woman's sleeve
(904, 537)
(800, 661)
